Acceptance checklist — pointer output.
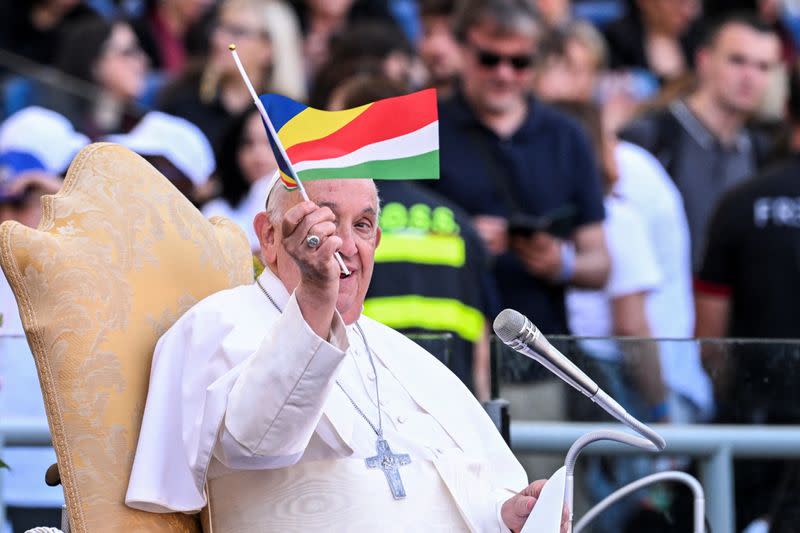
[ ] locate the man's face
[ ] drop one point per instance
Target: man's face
(571, 77)
(498, 69)
(354, 202)
(438, 49)
(736, 68)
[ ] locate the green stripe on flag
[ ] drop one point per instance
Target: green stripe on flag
(418, 167)
(447, 250)
(433, 314)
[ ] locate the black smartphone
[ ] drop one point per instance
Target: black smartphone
(559, 222)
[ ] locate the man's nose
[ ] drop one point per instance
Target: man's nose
(504, 70)
(349, 247)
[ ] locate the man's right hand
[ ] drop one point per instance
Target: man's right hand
(494, 232)
(318, 288)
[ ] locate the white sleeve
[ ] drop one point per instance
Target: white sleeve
(210, 393)
(634, 267)
(278, 396)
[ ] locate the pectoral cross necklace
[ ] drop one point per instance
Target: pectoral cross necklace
(385, 460)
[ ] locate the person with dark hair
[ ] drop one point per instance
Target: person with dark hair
(321, 20)
(702, 141)
(656, 35)
(373, 40)
(389, 54)
(747, 287)
(245, 165)
(438, 48)
(506, 157)
(107, 55)
(32, 28)
(410, 283)
(334, 73)
(571, 61)
(163, 29)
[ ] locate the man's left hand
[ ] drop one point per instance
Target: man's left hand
(515, 510)
(540, 254)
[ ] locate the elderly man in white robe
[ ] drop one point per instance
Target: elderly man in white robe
(284, 409)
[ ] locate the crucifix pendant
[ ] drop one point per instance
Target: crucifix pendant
(389, 463)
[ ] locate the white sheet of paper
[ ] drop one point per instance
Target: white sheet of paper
(546, 514)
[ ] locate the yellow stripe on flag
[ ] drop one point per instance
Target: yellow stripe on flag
(312, 124)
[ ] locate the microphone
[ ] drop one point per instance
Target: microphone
(519, 333)
(515, 330)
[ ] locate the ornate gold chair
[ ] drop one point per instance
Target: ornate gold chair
(118, 256)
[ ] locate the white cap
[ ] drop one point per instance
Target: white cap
(174, 138)
(45, 134)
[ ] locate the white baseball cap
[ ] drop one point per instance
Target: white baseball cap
(174, 138)
(45, 134)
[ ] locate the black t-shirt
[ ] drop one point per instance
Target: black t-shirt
(753, 254)
(431, 272)
(547, 163)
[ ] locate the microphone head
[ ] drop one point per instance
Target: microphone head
(509, 324)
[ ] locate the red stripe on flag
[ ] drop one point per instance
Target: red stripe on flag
(385, 119)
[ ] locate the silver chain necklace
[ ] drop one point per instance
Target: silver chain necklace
(385, 460)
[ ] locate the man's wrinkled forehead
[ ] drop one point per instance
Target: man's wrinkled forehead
(331, 192)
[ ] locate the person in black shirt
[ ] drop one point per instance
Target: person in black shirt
(748, 287)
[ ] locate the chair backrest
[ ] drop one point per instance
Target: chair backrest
(118, 256)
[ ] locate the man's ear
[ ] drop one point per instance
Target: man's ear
(267, 238)
(378, 234)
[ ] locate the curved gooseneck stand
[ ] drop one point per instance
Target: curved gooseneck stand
(683, 477)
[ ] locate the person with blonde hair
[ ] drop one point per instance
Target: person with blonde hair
(267, 37)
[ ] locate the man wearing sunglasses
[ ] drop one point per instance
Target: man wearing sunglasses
(523, 171)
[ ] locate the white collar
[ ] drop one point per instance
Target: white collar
(275, 287)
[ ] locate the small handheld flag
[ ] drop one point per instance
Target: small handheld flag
(271, 135)
(394, 138)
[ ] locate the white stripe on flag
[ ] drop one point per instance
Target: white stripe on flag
(423, 140)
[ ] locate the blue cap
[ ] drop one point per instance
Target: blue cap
(12, 165)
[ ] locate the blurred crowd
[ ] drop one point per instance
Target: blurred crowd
(608, 167)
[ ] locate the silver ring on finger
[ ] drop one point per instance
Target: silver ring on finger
(312, 241)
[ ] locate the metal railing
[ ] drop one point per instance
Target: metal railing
(715, 447)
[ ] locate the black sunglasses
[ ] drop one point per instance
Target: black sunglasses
(491, 60)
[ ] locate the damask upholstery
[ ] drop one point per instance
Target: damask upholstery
(119, 255)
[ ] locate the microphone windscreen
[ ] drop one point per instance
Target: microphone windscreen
(509, 324)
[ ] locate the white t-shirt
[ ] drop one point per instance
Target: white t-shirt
(645, 185)
(633, 269)
(252, 204)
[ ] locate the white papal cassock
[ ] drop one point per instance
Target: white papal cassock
(243, 398)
